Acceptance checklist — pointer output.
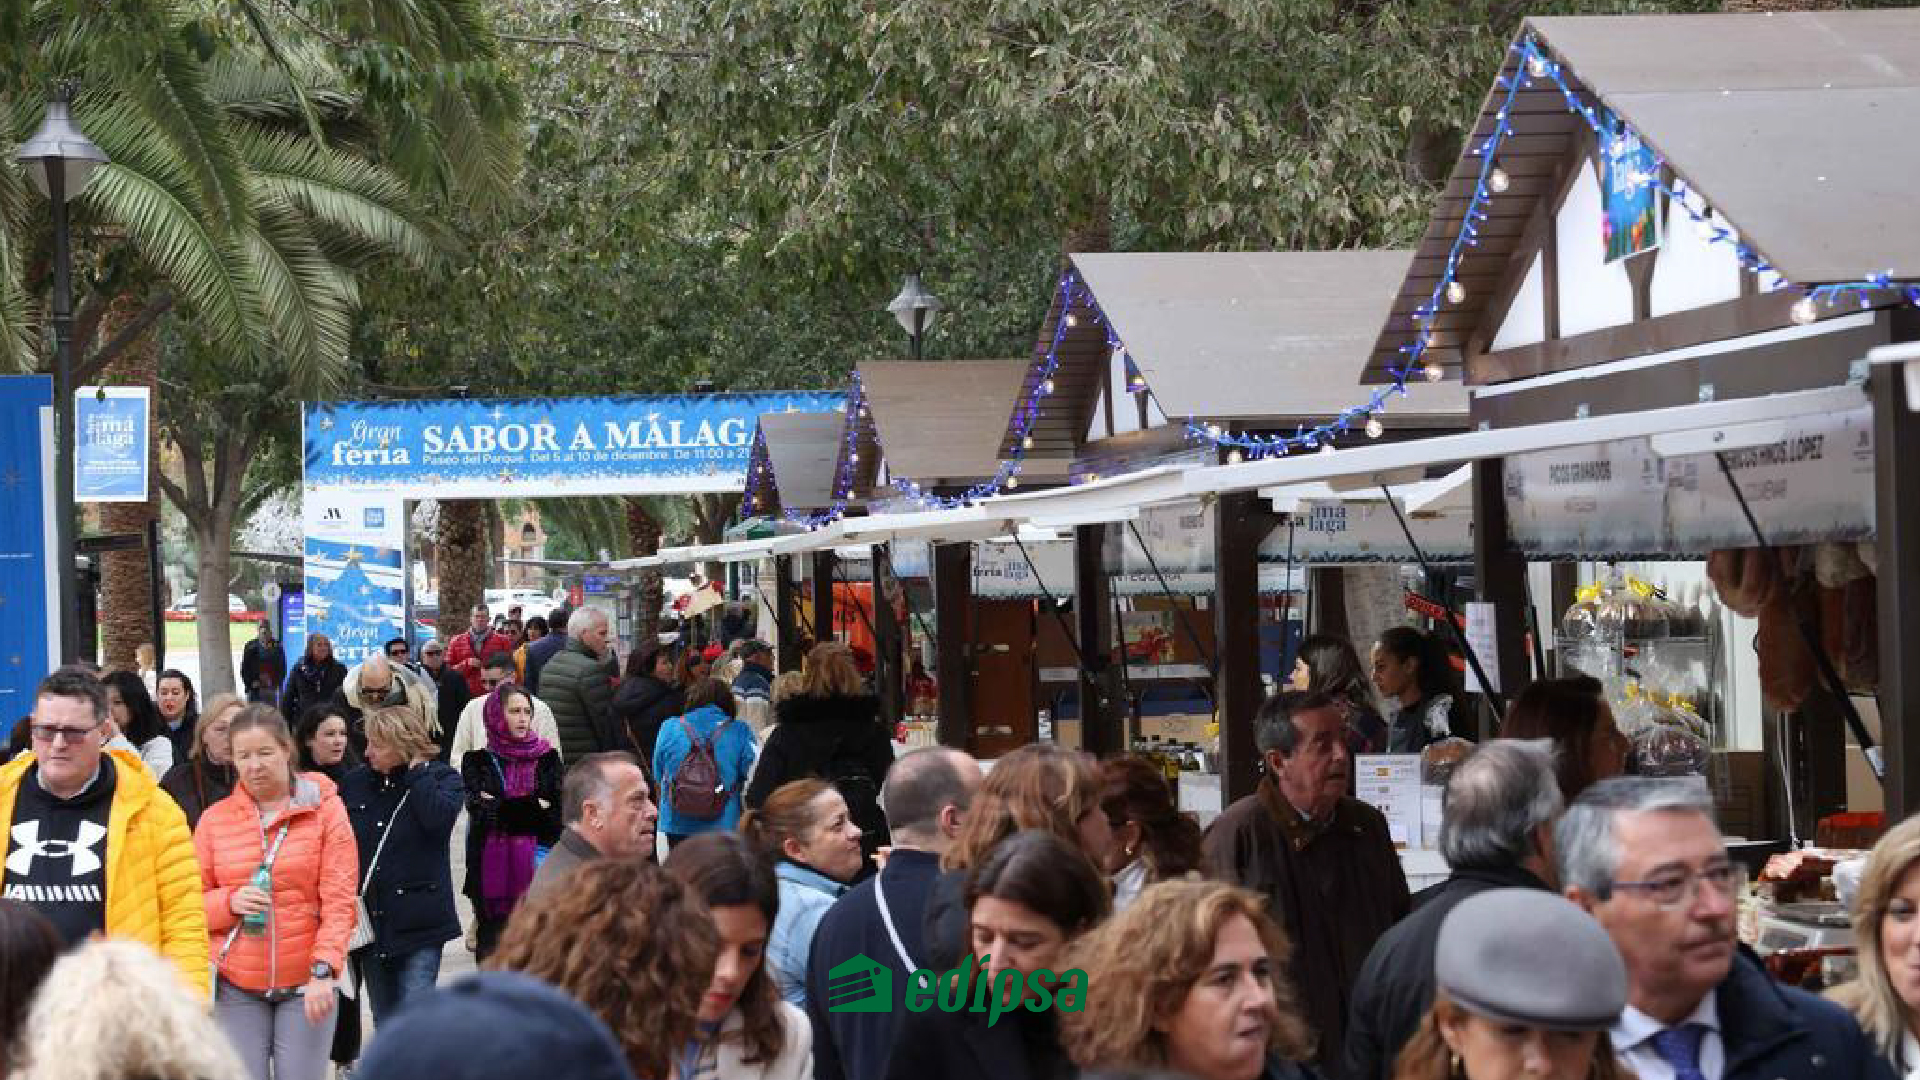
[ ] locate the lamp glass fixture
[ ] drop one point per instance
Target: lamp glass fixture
(914, 307)
(59, 144)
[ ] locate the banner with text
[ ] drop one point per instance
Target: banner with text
(110, 445)
(29, 638)
(543, 446)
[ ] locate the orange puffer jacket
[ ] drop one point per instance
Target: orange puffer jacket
(315, 878)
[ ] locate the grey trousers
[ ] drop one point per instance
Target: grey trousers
(274, 1040)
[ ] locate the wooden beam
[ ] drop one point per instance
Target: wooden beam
(1679, 330)
(1102, 723)
(1896, 508)
(1241, 520)
(889, 671)
(823, 563)
(953, 625)
(1500, 579)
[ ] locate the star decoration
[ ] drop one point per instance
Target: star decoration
(14, 659)
(354, 554)
(326, 423)
(498, 414)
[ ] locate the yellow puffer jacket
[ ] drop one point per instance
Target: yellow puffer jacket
(153, 880)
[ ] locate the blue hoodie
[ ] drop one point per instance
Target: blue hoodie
(734, 750)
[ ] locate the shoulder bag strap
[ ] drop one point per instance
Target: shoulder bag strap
(367, 880)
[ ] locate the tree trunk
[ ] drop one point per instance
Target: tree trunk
(461, 550)
(213, 628)
(643, 530)
(126, 579)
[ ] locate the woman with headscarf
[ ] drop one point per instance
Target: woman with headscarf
(513, 810)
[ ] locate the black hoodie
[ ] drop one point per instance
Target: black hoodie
(835, 738)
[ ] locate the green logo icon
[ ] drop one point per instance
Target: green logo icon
(860, 984)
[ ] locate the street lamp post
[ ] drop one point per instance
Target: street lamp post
(60, 159)
(915, 308)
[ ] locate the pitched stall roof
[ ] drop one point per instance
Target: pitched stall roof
(802, 450)
(1266, 338)
(1077, 380)
(1796, 127)
(941, 423)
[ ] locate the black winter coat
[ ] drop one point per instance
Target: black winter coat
(197, 784)
(1395, 987)
(1775, 1032)
(451, 686)
(935, 1045)
(834, 738)
(310, 685)
(490, 811)
(411, 895)
(643, 704)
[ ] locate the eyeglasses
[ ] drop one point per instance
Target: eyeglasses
(369, 688)
(53, 733)
(1672, 888)
(397, 654)
(491, 681)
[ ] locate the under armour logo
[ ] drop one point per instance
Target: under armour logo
(27, 844)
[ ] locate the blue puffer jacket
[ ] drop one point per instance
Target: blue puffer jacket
(1775, 1032)
(733, 750)
(411, 895)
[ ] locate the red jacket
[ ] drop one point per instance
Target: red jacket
(315, 879)
(460, 650)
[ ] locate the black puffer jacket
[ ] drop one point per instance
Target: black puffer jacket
(642, 705)
(835, 738)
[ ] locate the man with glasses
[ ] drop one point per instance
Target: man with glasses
(1324, 861)
(472, 731)
(92, 842)
(378, 683)
(451, 687)
(1644, 857)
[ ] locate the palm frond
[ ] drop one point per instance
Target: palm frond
(19, 335)
(172, 94)
(348, 193)
(306, 301)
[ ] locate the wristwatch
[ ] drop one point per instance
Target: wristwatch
(322, 969)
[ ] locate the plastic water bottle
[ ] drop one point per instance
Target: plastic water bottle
(257, 923)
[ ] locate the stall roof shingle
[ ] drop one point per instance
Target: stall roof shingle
(804, 450)
(942, 422)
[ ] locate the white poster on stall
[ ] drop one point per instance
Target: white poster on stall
(1179, 539)
(1601, 499)
(1483, 635)
(1390, 783)
(1814, 484)
(1353, 531)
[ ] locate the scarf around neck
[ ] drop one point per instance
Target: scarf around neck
(508, 860)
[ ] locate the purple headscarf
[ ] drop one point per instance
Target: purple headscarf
(508, 860)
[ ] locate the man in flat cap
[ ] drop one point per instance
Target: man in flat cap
(1323, 860)
(1497, 833)
(1644, 857)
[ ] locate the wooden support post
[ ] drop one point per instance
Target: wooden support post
(1241, 520)
(1896, 452)
(786, 624)
(889, 671)
(1102, 722)
(953, 625)
(1500, 578)
(823, 564)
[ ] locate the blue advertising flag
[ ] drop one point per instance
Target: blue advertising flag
(26, 579)
(110, 444)
(1631, 189)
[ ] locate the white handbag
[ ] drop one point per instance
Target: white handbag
(362, 922)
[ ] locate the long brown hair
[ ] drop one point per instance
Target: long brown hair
(831, 672)
(786, 815)
(632, 943)
(725, 870)
(1135, 791)
(1427, 1056)
(1568, 711)
(1039, 786)
(1147, 959)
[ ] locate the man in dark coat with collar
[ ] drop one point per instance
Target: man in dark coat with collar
(543, 650)
(1500, 806)
(1643, 856)
(609, 813)
(578, 685)
(1323, 860)
(926, 796)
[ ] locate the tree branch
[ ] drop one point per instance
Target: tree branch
(135, 328)
(605, 50)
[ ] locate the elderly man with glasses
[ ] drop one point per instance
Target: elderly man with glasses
(92, 843)
(1644, 857)
(379, 683)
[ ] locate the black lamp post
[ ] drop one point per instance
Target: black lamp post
(60, 159)
(915, 308)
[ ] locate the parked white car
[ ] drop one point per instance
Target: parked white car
(190, 603)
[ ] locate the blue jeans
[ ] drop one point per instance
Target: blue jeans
(391, 980)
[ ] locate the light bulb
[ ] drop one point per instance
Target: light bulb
(1705, 226)
(1072, 319)
(1235, 457)
(1326, 448)
(1090, 477)
(1804, 311)
(1456, 293)
(1213, 431)
(1498, 180)
(853, 458)
(1537, 66)
(1374, 427)
(1046, 387)
(1435, 373)
(1026, 443)
(1012, 482)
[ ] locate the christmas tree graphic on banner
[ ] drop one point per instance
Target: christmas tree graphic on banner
(351, 610)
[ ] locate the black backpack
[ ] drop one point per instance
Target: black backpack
(697, 792)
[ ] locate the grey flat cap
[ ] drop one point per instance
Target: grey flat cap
(1526, 956)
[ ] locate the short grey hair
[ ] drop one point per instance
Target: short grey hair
(1584, 841)
(1495, 803)
(584, 620)
(586, 781)
(1274, 730)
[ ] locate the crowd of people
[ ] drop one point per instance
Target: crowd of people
(827, 907)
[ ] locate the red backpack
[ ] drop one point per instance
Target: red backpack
(697, 792)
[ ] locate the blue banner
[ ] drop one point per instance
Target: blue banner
(110, 444)
(27, 587)
(542, 446)
(1630, 186)
(354, 596)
